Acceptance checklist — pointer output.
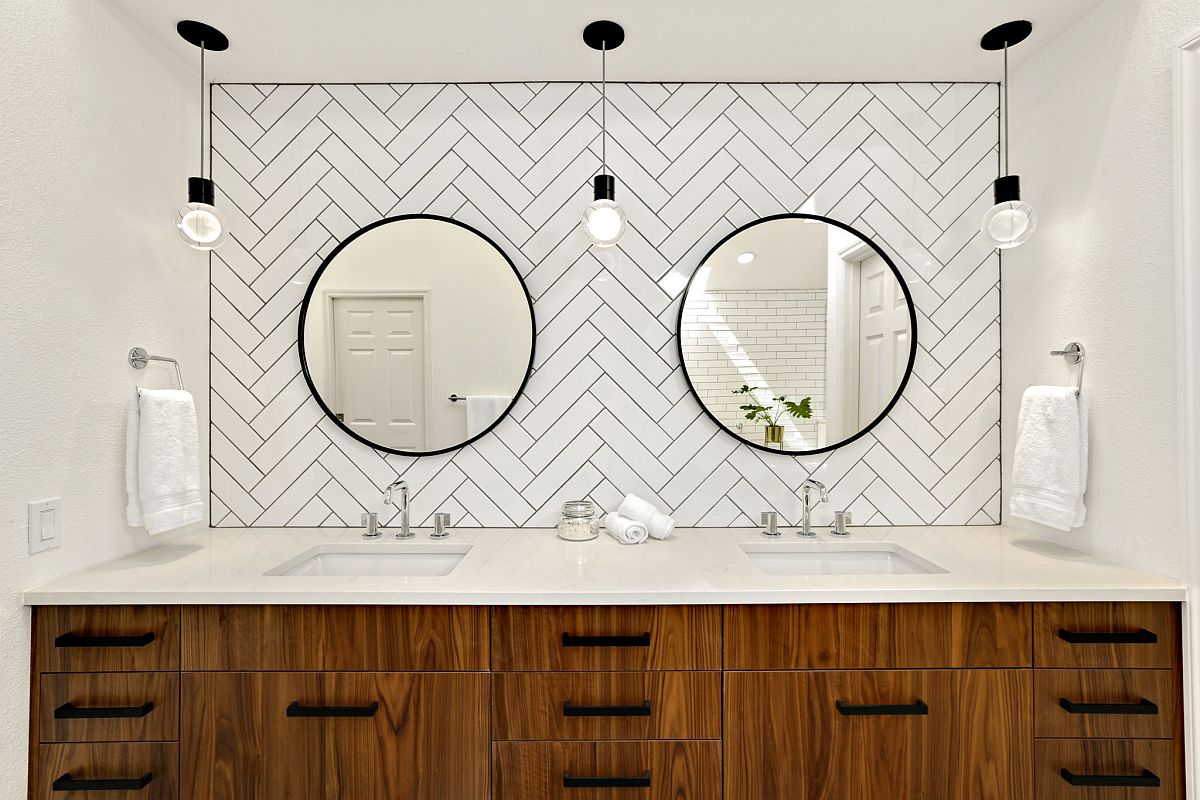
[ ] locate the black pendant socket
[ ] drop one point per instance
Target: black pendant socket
(1007, 189)
(606, 187)
(603, 34)
(202, 35)
(1006, 35)
(201, 190)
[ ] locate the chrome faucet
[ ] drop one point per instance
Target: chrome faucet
(402, 486)
(806, 490)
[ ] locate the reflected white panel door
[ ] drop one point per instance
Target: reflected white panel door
(379, 368)
(883, 343)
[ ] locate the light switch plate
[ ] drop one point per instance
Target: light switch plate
(45, 524)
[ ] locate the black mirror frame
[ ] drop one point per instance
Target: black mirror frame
(312, 285)
(912, 321)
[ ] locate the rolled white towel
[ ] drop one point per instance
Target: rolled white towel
(625, 531)
(658, 524)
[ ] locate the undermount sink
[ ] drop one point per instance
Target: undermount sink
(836, 558)
(375, 559)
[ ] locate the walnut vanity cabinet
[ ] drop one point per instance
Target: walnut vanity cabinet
(937, 701)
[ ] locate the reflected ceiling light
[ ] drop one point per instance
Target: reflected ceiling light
(1010, 221)
(745, 258)
(603, 220)
(200, 224)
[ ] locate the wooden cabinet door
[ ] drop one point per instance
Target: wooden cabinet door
(841, 735)
(313, 736)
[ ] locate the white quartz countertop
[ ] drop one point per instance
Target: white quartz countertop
(532, 567)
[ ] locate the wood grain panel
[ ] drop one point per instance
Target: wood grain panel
(159, 653)
(428, 738)
(878, 636)
(1106, 757)
(369, 638)
(786, 738)
(682, 705)
(681, 637)
(108, 761)
(1160, 619)
(1106, 686)
(107, 690)
(535, 770)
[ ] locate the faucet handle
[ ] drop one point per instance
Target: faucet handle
(441, 524)
(840, 520)
(770, 522)
(370, 522)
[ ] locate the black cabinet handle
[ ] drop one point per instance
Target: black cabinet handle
(1140, 636)
(1143, 707)
(576, 640)
(1146, 780)
(606, 781)
(69, 711)
(65, 783)
(297, 710)
(917, 709)
(642, 710)
(79, 640)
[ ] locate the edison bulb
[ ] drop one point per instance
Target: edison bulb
(1008, 224)
(202, 226)
(604, 223)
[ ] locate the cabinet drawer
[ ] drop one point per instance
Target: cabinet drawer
(880, 636)
(606, 770)
(606, 638)
(144, 771)
(837, 735)
(606, 705)
(371, 638)
(106, 638)
(1130, 769)
(109, 707)
(317, 736)
(1129, 635)
(1104, 703)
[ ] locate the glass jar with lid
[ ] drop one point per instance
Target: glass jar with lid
(580, 521)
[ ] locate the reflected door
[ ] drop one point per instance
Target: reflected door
(883, 345)
(379, 368)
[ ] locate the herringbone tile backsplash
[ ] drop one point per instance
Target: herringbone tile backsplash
(607, 411)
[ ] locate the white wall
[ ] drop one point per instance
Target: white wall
(97, 138)
(1092, 142)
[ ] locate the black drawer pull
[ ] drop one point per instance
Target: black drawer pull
(65, 783)
(297, 710)
(79, 640)
(68, 711)
(606, 781)
(570, 710)
(1141, 636)
(575, 640)
(1142, 708)
(917, 709)
(1146, 780)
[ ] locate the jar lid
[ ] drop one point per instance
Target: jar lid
(578, 508)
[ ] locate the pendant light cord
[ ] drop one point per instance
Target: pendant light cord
(1006, 107)
(604, 107)
(202, 109)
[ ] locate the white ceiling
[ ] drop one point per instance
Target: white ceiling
(403, 41)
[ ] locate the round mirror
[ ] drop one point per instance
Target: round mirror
(416, 335)
(797, 334)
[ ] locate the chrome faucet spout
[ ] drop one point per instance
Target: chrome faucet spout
(806, 491)
(400, 486)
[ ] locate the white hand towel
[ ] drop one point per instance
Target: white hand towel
(625, 531)
(483, 410)
(162, 461)
(657, 523)
(1050, 462)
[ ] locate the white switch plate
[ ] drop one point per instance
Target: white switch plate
(45, 524)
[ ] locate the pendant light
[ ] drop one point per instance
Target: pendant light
(1010, 221)
(200, 224)
(603, 220)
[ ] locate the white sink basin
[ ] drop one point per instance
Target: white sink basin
(375, 558)
(836, 558)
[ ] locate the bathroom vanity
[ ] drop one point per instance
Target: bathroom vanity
(191, 673)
